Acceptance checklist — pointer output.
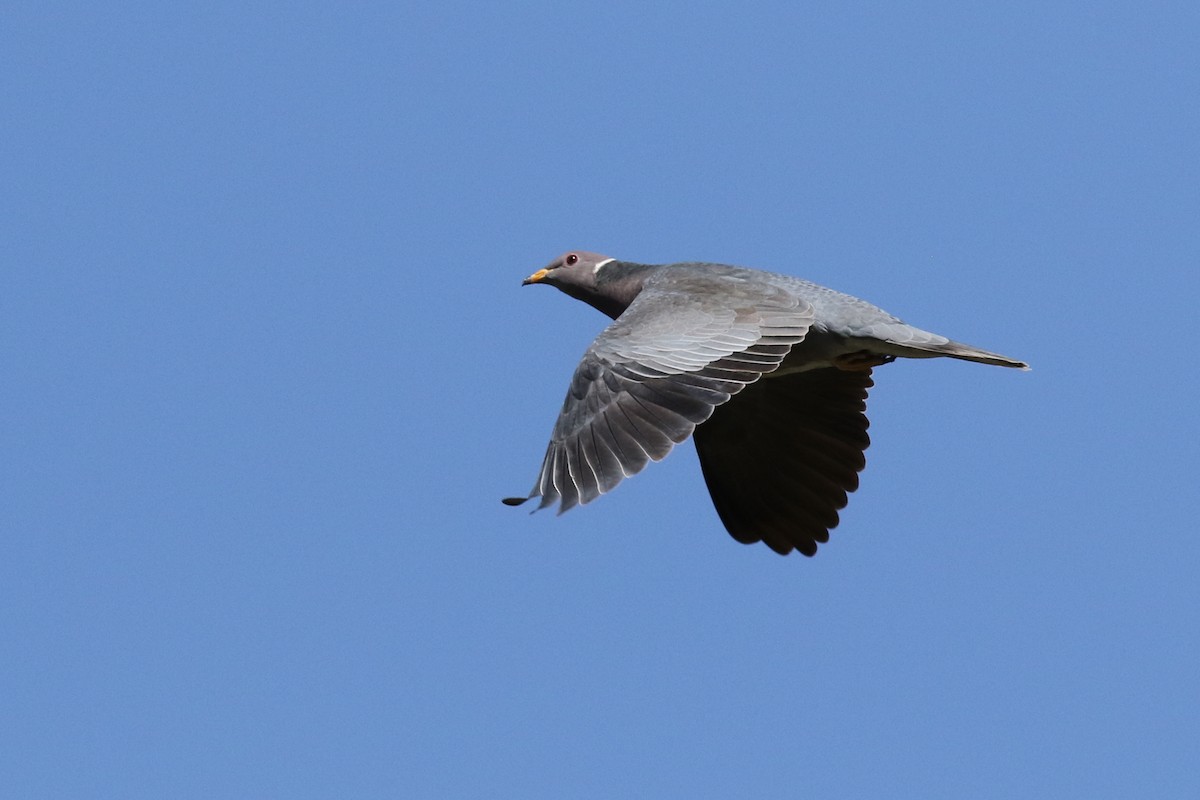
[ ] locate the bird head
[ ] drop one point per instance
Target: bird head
(589, 277)
(576, 268)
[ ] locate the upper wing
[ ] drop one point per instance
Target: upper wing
(658, 371)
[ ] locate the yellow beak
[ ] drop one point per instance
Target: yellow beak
(536, 277)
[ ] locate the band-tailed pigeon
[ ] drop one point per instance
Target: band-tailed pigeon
(769, 371)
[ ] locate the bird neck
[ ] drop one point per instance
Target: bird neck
(617, 286)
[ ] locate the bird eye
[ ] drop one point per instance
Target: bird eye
(571, 260)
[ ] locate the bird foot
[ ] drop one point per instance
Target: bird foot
(861, 361)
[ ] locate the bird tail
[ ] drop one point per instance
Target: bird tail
(968, 353)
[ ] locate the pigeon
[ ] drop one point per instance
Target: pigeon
(768, 372)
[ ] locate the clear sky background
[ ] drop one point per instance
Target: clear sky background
(267, 370)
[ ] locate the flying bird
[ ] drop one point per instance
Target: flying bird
(769, 372)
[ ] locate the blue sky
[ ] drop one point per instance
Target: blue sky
(268, 371)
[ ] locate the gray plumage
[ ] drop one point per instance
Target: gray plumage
(770, 373)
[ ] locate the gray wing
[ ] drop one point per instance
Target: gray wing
(656, 373)
(780, 461)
